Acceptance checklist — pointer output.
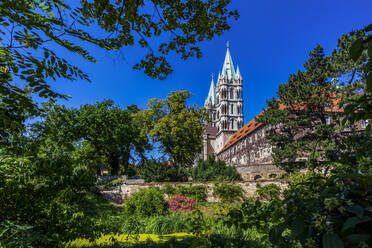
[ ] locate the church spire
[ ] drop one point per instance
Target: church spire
(228, 66)
(238, 76)
(211, 98)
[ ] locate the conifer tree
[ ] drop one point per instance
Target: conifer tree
(302, 134)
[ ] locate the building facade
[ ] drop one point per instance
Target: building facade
(226, 136)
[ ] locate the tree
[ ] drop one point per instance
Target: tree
(100, 134)
(212, 169)
(305, 137)
(30, 30)
(176, 127)
(332, 209)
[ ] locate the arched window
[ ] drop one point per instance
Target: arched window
(231, 94)
(232, 109)
(256, 177)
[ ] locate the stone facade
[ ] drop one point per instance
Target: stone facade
(123, 192)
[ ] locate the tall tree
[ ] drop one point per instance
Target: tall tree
(176, 126)
(303, 135)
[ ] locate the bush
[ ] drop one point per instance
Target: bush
(197, 192)
(212, 169)
(158, 171)
(167, 224)
(228, 192)
(268, 192)
(46, 193)
(146, 203)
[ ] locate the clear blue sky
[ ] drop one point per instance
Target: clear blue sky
(270, 40)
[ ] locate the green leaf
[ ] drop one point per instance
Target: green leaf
(275, 234)
(368, 129)
(356, 49)
(357, 210)
(298, 226)
(358, 237)
(368, 28)
(351, 222)
(332, 240)
(369, 82)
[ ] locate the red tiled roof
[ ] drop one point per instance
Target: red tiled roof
(253, 124)
(242, 132)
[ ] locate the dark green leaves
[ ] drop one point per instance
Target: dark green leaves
(332, 240)
(356, 49)
(352, 221)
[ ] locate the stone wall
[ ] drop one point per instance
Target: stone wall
(123, 192)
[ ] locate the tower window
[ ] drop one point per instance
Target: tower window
(232, 109)
(231, 94)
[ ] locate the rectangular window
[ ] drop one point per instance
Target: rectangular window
(328, 120)
(364, 123)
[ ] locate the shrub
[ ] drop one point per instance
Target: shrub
(158, 171)
(197, 192)
(268, 192)
(212, 169)
(146, 203)
(169, 190)
(228, 192)
(172, 223)
(179, 203)
(46, 193)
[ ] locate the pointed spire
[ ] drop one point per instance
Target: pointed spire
(211, 98)
(238, 76)
(228, 66)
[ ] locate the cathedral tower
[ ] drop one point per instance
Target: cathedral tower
(224, 103)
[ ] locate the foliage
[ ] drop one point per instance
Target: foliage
(228, 192)
(304, 138)
(146, 203)
(212, 169)
(112, 132)
(125, 240)
(102, 134)
(197, 192)
(105, 184)
(46, 193)
(268, 192)
(179, 204)
(159, 171)
(12, 235)
(32, 30)
(171, 223)
(176, 127)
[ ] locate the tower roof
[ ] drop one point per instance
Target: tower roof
(211, 98)
(238, 73)
(228, 66)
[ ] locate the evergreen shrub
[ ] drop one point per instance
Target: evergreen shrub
(212, 169)
(160, 171)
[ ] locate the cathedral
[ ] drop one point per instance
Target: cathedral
(226, 130)
(226, 136)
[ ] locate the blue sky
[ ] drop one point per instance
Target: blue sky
(270, 40)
